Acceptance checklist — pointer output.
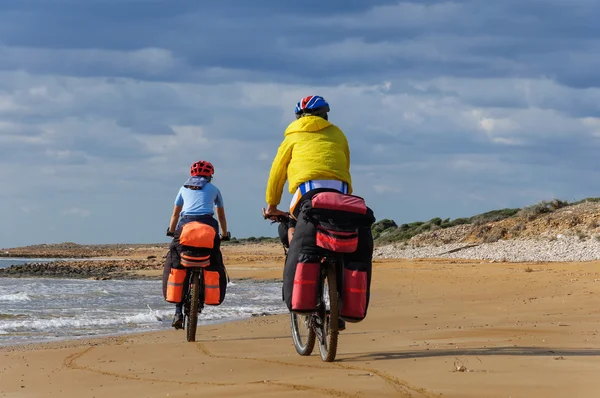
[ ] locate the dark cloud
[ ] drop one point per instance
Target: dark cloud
(450, 108)
(312, 43)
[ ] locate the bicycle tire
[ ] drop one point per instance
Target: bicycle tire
(329, 324)
(303, 348)
(192, 319)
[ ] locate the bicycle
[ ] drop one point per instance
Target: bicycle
(193, 302)
(322, 325)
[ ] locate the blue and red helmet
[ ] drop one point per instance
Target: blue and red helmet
(313, 104)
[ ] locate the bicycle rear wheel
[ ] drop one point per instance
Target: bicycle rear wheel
(329, 314)
(302, 333)
(192, 318)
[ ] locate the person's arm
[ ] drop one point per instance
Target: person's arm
(176, 211)
(174, 218)
(278, 174)
(222, 220)
(221, 213)
(347, 153)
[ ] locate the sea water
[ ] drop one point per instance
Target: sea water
(41, 309)
(7, 262)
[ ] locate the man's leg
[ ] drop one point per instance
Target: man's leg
(171, 259)
(289, 271)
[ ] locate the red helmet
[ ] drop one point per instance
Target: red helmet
(202, 168)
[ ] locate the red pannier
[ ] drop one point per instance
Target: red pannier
(338, 201)
(354, 295)
(305, 290)
(338, 234)
(336, 239)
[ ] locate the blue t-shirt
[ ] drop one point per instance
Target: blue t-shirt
(199, 202)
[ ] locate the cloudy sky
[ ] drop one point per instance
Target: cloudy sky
(451, 108)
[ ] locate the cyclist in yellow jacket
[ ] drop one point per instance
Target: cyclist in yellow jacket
(314, 154)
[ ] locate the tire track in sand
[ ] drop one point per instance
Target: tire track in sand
(402, 387)
(70, 362)
(399, 385)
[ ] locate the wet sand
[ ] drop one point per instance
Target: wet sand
(446, 328)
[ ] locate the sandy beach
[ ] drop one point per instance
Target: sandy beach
(436, 328)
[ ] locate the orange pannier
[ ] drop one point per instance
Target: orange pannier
(212, 288)
(188, 260)
(175, 285)
(197, 234)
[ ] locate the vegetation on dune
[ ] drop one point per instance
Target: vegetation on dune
(251, 239)
(544, 207)
(384, 231)
(387, 231)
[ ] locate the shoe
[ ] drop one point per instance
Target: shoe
(178, 321)
(341, 324)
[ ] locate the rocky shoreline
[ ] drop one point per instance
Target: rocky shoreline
(561, 248)
(87, 269)
(74, 250)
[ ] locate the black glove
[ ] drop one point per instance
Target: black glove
(226, 237)
(169, 233)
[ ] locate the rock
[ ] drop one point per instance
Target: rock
(82, 269)
(570, 248)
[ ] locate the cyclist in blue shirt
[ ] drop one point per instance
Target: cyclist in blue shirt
(196, 201)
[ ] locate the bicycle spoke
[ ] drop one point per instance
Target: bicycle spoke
(329, 315)
(302, 333)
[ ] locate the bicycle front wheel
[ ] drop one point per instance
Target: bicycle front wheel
(302, 333)
(329, 315)
(192, 319)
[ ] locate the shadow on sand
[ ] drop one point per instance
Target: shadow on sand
(508, 351)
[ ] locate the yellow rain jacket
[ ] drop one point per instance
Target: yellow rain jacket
(313, 149)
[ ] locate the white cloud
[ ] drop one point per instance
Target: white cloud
(185, 139)
(384, 189)
(76, 212)
(404, 136)
(593, 123)
(405, 14)
(146, 60)
(7, 104)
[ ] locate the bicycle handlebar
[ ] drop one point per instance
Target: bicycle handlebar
(278, 218)
(223, 238)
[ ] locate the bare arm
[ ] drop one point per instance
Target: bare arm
(174, 218)
(222, 220)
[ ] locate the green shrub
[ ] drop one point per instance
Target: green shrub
(544, 207)
(435, 221)
(383, 227)
(593, 200)
(387, 231)
(493, 216)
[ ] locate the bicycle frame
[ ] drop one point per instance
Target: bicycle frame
(187, 301)
(322, 326)
(321, 314)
